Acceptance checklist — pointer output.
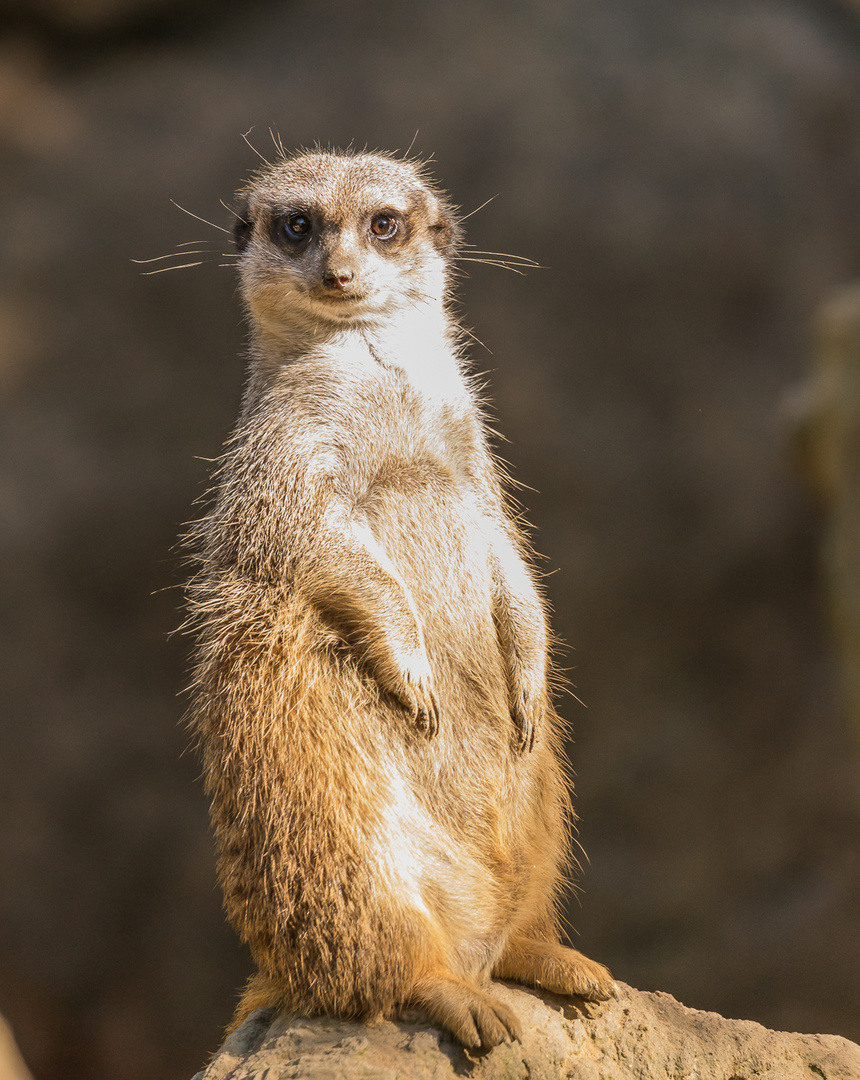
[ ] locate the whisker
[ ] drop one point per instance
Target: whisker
(230, 210)
(278, 144)
(169, 255)
(199, 218)
(254, 148)
(164, 269)
(480, 256)
(504, 255)
(493, 262)
(486, 202)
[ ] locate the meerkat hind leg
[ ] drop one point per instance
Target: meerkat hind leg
(471, 1015)
(550, 966)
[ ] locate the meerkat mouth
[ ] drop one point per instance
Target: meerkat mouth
(341, 306)
(341, 309)
(337, 298)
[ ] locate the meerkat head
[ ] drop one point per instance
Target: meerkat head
(339, 239)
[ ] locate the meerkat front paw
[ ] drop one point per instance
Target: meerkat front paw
(413, 688)
(527, 704)
(526, 715)
(425, 710)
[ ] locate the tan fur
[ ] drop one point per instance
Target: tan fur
(370, 692)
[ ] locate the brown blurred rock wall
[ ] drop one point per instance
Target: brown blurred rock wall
(688, 177)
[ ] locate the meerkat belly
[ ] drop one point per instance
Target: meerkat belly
(439, 873)
(433, 535)
(454, 862)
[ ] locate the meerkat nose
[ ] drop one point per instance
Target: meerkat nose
(341, 278)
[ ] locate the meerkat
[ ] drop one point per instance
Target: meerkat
(370, 692)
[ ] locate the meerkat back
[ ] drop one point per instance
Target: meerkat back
(370, 692)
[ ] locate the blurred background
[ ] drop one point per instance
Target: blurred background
(688, 175)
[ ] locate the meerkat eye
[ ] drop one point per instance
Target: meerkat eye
(383, 226)
(297, 226)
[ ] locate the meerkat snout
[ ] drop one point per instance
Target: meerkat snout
(340, 279)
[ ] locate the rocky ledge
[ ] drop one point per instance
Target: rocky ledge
(640, 1036)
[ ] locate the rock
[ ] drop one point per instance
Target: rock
(641, 1036)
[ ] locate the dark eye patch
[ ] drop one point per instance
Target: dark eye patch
(242, 228)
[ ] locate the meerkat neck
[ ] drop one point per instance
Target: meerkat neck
(422, 343)
(418, 340)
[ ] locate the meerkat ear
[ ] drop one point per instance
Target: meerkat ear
(242, 227)
(446, 230)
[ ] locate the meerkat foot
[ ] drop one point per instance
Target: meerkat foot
(478, 1020)
(550, 966)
